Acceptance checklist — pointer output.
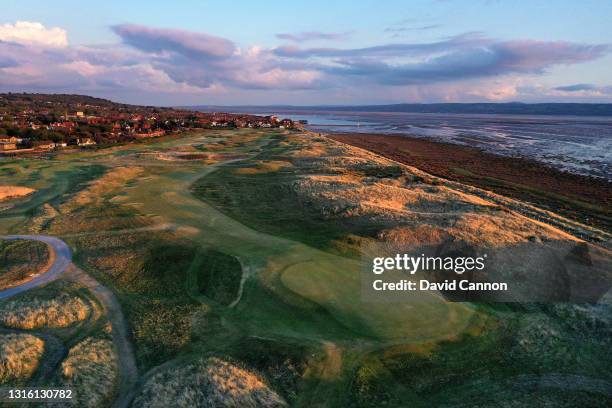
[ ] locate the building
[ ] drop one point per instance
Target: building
(7, 146)
(85, 141)
(43, 144)
(150, 134)
(11, 139)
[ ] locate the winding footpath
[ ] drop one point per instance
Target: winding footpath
(63, 258)
(62, 264)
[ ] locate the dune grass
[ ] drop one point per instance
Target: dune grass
(90, 369)
(208, 382)
(34, 312)
(20, 356)
(507, 358)
(21, 259)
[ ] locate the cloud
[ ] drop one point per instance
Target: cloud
(170, 63)
(27, 32)
(204, 61)
(188, 43)
(312, 36)
(406, 29)
(457, 58)
(6, 62)
(576, 87)
(583, 91)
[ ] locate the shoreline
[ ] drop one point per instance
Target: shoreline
(581, 198)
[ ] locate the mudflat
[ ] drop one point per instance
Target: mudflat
(581, 198)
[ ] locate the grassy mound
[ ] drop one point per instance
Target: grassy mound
(218, 276)
(91, 370)
(207, 383)
(524, 357)
(161, 327)
(32, 312)
(266, 202)
(20, 259)
(19, 357)
(283, 362)
(148, 271)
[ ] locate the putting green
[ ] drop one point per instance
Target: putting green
(335, 285)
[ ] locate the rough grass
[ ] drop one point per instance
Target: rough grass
(20, 259)
(148, 271)
(161, 327)
(34, 312)
(283, 362)
(20, 355)
(267, 166)
(105, 185)
(334, 285)
(532, 356)
(361, 194)
(218, 276)
(207, 383)
(91, 370)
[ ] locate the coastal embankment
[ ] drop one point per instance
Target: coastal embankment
(587, 200)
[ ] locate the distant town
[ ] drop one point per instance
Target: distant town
(39, 122)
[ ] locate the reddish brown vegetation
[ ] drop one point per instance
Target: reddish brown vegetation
(582, 198)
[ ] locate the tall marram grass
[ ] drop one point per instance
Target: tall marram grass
(207, 383)
(91, 370)
(61, 311)
(19, 356)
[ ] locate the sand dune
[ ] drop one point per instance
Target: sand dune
(8, 192)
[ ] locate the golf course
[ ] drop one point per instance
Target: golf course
(230, 259)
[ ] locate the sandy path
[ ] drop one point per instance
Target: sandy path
(128, 371)
(61, 255)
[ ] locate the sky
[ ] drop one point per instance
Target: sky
(309, 52)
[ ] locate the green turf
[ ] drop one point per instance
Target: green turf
(186, 239)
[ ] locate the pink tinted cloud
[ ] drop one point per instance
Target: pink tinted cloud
(163, 61)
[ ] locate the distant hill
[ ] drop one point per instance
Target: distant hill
(512, 108)
(67, 99)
